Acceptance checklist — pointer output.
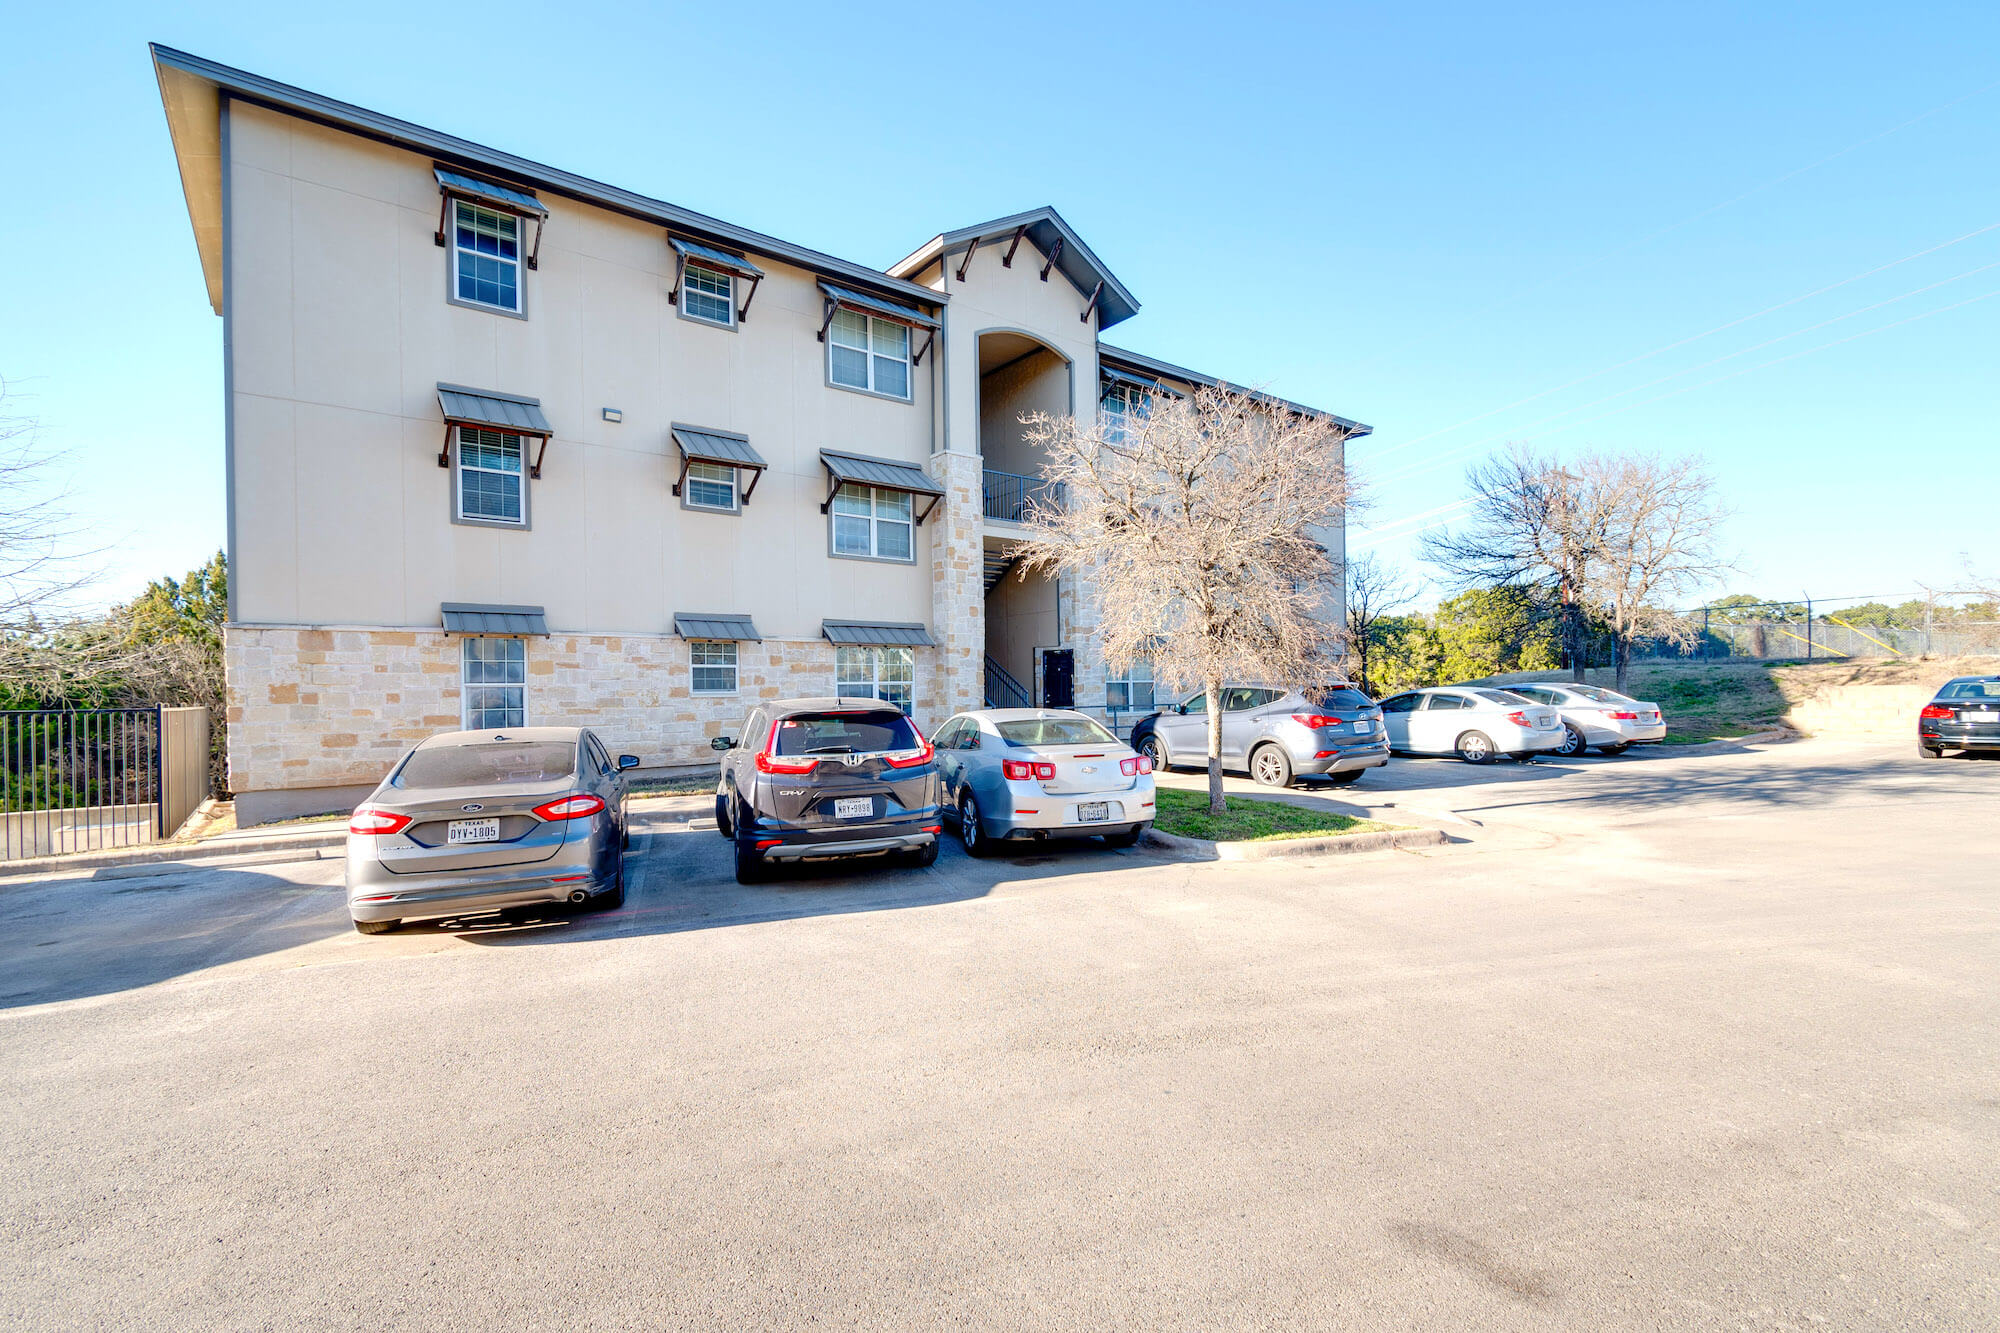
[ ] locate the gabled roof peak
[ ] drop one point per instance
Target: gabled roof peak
(1045, 229)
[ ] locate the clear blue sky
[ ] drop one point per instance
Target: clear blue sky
(1411, 216)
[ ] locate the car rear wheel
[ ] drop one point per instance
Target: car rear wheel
(613, 898)
(1573, 745)
(722, 821)
(1930, 751)
(376, 927)
(1126, 837)
(974, 837)
(1475, 747)
(1346, 779)
(751, 867)
(1153, 750)
(1614, 750)
(923, 856)
(1271, 766)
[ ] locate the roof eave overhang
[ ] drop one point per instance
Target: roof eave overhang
(1078, 263)
(1167, 370)
(192, 89)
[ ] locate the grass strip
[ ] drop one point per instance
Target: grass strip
(1247, 819)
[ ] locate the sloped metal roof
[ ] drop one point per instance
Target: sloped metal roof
(716, 446)
(710, 257)
(502, 411)
(1139, 364)
(512, 200)
(512, 622)
(876, 634)
(875, 305)
(885, 472)
(691, 626)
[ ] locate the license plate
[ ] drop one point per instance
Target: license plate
(1093, 812)
(854, 807)
(1364, 727)
(473, 830)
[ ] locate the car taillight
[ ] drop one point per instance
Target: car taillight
(767, 760)
(1021, 770)
(911, 758)
(1137, 766)
(1936, 712)
(368, 820)
(1519, 719)
(1620, 715)
(1315, 720)
(580, 806)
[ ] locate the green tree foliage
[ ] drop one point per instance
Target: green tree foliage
(1404, 654)
(1488, 631)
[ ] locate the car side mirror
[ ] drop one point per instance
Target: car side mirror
(723, 743)
(1181, 709)
(626, 761)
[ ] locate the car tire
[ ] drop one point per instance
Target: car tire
(612, 898)
(922, 857)
(1614, 750)
(969, 832)
(1126, 837)
(751, 867)
(1270, 766)
(1930, 751)
(1574, 746)
(376, 927)
(1155, 751)
(723, 824)
(1347, 779)
(1475, 747)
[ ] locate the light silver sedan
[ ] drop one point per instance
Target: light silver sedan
(1015, 773)
(478, 821)
(1593, 715)
(1475, 722)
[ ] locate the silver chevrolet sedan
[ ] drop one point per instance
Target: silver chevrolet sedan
(1016, 773)
(477, 821)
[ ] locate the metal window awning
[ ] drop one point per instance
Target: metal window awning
(895, 312)
(860, 469)
(508, 622)
(691, 626)
(492, 411)
(506, 198)
(876, 634)
(698, 444)
(686, 252)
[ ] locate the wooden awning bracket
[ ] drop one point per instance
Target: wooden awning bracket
(444, 454)
(966, 262)
(1095, 292)
(825, 324)
(1053, 255)
(743, 311)
(936, 500)
(918, 359)
(536, 470)
(680, 276)
(831, 491)
(1007, 260)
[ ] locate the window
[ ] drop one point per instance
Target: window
(479, 765)
(1336, 696)
(1132, 688)
(869, 353)
(1054, 731)
(710, 486)
(888, 674)
(875, 732)
(1446, 702)
(495, 676)
(874, 524)
(486, 257)
(1402, 703)
(713, 662)
(1123, 403)
(492, 485)
(709, 296)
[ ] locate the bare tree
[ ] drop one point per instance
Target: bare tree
(35, 528)
(1656, 543)
(1375, 588)
(1532, 523)
(1193, 523)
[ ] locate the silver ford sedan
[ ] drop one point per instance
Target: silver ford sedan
(477, 821)
(1015, 773)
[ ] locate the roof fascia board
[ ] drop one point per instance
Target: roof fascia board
(1168, 370)
(294, 101)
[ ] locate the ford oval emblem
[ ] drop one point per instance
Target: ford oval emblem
(469, 809)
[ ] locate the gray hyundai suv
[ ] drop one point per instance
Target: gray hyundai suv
(816, 779)
(1277, 736)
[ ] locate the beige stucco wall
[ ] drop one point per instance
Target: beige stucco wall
(1021, 616)
(341, 332)
(1037, 383)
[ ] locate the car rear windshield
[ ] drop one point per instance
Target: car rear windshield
(1502, 697)
(869, 732)
(1054, 731)
(1601, 695)
(1971, 689)
(481, 765)
(1338, 696)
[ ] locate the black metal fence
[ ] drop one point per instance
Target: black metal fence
(1008, 497)
(74, 780)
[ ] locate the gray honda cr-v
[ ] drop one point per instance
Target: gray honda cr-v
(815, 779)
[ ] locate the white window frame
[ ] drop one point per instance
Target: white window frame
(467, 684)
(727, 295)
(1128, 679)
(870, 355)
(732, 477)
(876, 522)
(864, 664)
(460, 467)
(1120, 403)
(712, 648)
(520, 306)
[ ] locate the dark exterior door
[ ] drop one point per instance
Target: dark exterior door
(1058, 678)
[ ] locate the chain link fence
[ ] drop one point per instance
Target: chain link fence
(1841, 627)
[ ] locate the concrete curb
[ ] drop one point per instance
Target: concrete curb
(272, 849)
(1733, 742)
(1339, 845)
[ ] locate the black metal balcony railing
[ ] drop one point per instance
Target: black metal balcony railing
(1008, 498)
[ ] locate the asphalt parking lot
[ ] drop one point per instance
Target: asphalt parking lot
(1697, 1040)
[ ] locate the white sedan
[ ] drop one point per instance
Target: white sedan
(1592, 715)
(1476, 723)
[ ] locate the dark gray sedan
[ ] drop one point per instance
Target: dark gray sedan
(477, 821)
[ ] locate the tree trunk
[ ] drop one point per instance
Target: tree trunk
(1212, 692)
(1575, 639)
(1624, 651)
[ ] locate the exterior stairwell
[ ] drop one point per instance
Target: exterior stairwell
(1002, 690)
(997, 565)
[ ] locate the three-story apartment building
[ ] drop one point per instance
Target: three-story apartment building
(509, 446)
